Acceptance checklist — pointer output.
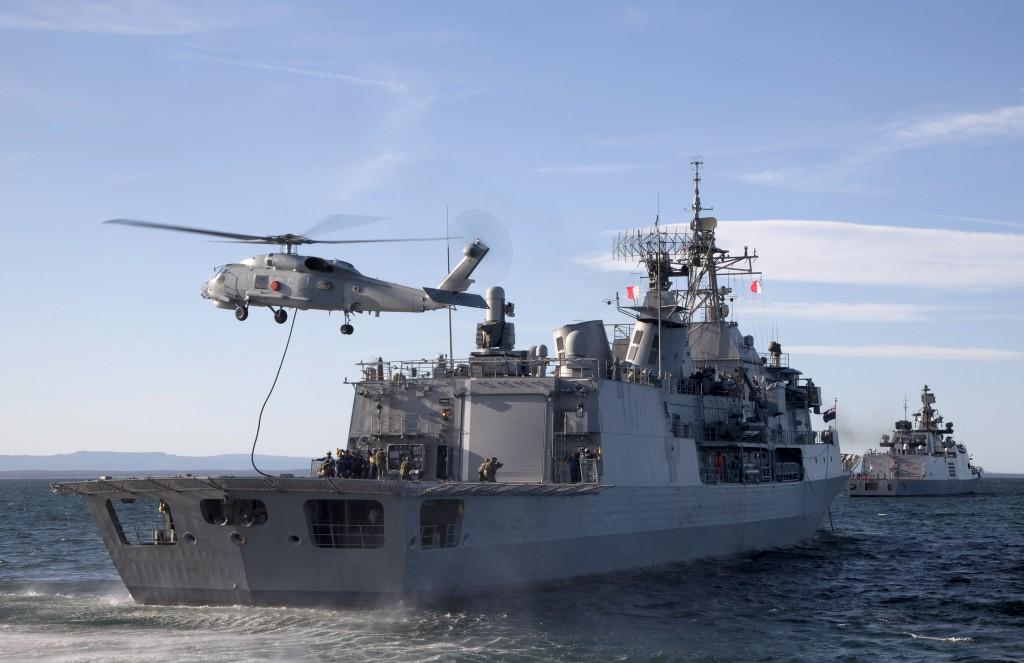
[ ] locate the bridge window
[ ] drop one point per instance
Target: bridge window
(345, 523)
(233, 512)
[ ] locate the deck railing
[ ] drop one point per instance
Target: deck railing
(440, 536)
(347, 536)
(158, 534)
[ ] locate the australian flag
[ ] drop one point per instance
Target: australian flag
(830, 414)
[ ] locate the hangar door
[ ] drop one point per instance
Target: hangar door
(512, 427)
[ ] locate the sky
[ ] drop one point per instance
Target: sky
(871, 152)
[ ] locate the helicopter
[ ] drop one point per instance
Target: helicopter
(289, 280)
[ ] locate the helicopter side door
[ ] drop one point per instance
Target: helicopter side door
(227, 283)
(235, 281)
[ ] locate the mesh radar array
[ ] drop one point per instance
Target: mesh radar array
(667, 252)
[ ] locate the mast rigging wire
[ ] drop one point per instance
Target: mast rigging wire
(259, 420)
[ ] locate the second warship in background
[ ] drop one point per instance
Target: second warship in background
(673, 440)
(922, 459)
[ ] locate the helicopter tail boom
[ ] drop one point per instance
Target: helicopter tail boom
(458, 279)
(450, 298)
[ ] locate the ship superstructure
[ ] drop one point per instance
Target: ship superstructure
(919, 458)
(671, 438)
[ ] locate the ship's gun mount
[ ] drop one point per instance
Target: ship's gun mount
(495, 333)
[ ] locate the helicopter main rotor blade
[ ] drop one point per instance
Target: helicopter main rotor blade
(338, 222)
(378, 241)
(184, 229)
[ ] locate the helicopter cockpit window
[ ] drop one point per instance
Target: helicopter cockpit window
(219, 275)
(318, 265)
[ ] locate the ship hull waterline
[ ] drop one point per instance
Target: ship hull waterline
(506, 542)
(913, 487)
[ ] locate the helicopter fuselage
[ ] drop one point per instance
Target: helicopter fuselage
(289, 280)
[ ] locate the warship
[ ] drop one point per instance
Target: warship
(665, 438)
(922, 459)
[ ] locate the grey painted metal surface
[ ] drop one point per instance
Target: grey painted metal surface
(922, 459)
(675, 441)
(506, 538)
(287, 280)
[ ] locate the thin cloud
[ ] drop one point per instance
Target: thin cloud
(594, 168)
(308, 73)
(859, 254)
(121, 17)
(975, 219)
(369, 173)
(931, 352)
(1005, 122)
(851, 312)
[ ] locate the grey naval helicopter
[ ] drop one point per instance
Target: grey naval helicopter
(289, 280)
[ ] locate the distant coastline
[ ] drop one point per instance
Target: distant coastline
(93, 464)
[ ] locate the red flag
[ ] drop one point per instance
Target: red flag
(633, 292)
(755, 287)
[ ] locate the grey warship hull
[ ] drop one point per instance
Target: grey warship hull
(922, 460)
(674, 439)
(912, 487)
(512, 535)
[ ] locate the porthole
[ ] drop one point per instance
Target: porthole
(237, 537)
(190, 538)
(294, 540)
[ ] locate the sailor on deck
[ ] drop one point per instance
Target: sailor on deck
(492, 469)
(326, 467)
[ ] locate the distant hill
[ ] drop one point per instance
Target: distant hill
(120, 462)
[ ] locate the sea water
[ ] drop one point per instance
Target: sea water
(922, 579)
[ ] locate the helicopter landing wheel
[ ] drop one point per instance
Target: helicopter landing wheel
(241, 312)
(280, 316)
(347, 329)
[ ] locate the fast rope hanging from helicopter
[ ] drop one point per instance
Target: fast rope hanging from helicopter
(259, 420)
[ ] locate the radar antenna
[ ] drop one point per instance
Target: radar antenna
(666, 253)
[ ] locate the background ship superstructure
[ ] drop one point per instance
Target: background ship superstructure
(921, 458)
(673, 439)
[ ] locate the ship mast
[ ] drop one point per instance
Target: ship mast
(665, 253)
(707, 262)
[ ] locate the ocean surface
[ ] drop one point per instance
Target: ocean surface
(913, 579)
